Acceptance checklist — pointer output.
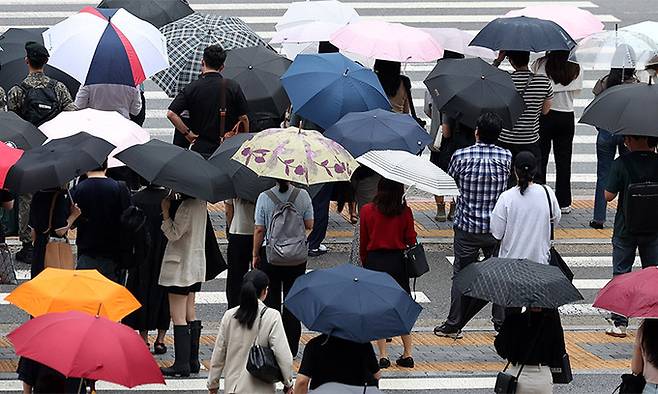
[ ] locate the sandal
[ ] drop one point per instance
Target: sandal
(159, 348)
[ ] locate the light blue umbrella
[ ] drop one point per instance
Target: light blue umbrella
(325, 87)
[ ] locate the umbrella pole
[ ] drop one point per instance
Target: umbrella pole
(80, 386)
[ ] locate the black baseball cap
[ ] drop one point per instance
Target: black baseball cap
(36, 51)
(525, 160)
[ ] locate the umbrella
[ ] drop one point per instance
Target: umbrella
(60, 290)
(387, 41)
(623, 110)
(189, 36)
(360, 132)
(106, 46)
(156, 12)
(352, 303)
(325, 87)
(9, 156)
(108, 125)
(18, 132)
(83, 346)
(523, 34)
(647, 28)
(247, 184)
(614, 49)
(12, 60)
(577, 22)
(306, 32)
(410, 170)
(632, 295)
(332, 11)
(517, 283)
(338, 388)
(467, 88)
(179, 169)
(258, 70)
(56, 163)
(301, 156)
(456, 40)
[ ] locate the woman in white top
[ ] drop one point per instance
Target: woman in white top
(521, 218)
(241, 327)
(558, 126)
(645, 355)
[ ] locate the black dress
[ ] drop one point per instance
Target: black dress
(143, 279)
(39, 219)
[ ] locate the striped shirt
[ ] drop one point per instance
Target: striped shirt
(539, 89)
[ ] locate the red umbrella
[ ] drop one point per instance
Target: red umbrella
(632, 295)
(8, 157)
(83, 346)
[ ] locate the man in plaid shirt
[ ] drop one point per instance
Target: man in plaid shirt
(481, 172)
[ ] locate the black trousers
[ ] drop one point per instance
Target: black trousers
(238, 254)
(558, 128)
(516, 149)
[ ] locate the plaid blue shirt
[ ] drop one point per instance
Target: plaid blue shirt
(481, 172)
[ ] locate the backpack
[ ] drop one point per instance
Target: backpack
(286, 234)
(640, 202)
(39, 104)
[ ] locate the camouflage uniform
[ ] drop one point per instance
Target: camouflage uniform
(3, 100)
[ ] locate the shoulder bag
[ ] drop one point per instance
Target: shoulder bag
(415, 261)
(59, 253)
(563, 374)
(631, 384)
(261, 362)
(555, 259)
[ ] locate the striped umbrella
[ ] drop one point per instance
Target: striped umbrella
(106, 46)
(410, 170)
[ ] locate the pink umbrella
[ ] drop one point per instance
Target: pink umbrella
(632, 295)
(387, 41)
(577, 22)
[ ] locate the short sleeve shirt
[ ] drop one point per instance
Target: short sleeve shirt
(243, 216)
(5, 196)
(265, 206)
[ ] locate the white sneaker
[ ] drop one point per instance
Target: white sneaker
(565, 210)
(616, 331)
(322, 248)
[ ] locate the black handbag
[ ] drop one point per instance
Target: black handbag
(506, 383)
(631, 384)
(563, 374)
(555, 259)
(261, 362)
(415, 261)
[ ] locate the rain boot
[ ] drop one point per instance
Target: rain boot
(195, 335)
(181, 366)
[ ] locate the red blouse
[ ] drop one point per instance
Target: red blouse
(385, 232)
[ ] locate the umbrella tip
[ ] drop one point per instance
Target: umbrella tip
(482, 77)
(347, 70)
(356, 279)
(251, 67)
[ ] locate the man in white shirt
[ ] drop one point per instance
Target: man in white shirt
(110, 97)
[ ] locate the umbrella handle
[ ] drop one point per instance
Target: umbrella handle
(80, 386)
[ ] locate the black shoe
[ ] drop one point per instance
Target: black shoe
(389, 340)
(384, 363)
(316, 252)
(195, 335)
(25, 254)
(448, 332)
(159, 348)
(182, 342)
(596, 225)
(405, 362)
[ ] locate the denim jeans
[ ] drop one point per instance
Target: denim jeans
(607, 145)
(650, 388)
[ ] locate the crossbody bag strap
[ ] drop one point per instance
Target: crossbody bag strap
(550, 212)
(260, 320)
(222, 108)
(52, 210)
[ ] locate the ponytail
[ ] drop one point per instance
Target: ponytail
(253, 284)
(283, 185)
(525, 175)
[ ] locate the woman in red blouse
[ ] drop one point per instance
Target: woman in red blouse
(387, 229)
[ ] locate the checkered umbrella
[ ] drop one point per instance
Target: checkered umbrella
(189, 36)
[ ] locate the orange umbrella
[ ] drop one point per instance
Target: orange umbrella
(61, 290)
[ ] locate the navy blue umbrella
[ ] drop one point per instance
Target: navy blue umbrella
(361, 132)
(352, 303)
(524, 34)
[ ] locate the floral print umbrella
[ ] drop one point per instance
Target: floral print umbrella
(300, 156)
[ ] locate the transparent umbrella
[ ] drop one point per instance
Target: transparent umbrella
(614, 49)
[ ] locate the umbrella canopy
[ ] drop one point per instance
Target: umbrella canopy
(12, 60)
(387, 41)
(352, 303)
(325, 87)
(632, 295)
(339, 388)
(156, 12)
(524, 34)
(306, 32)
(258, 70)
(647, 28)
(623, 110)
(247, 184)
(301, 156)
(361, 132)
(456, 40)
(614, 49)
(517, 283)
(577, 22)
(189, 36)
(83, 346)
(8, 157)
(106, 46)
(410, 170)
(467, 88)
(18, 132)
(60, 290)
(332, 11)
(108, 125)
(168, 165)
(56, 163)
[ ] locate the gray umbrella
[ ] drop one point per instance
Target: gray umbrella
(337, 388)
(517, 283)
(625, 109)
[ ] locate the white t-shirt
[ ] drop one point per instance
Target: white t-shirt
(563, 96)
(521, 223)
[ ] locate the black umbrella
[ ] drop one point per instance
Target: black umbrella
(14, 130)
(625, 109)
(467, 88)
(517, 283)
(248, 185)
(12, 60)
(258, 70)
(156, 12)
(524, 34)
(181, 170)
(57, 163)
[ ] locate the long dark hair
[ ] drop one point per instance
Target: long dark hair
(253, 284)
(389, 75)
(283, 185)
(618, 76)
(390, 197)
(559, 69)
(525, 175)
(650, 340)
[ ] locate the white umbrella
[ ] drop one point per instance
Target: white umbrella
(410, 170)
(331, 11)
(108, 125)
(456, 40)
(315, 31)
(614, 49)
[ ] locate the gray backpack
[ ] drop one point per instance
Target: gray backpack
(286, 235)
